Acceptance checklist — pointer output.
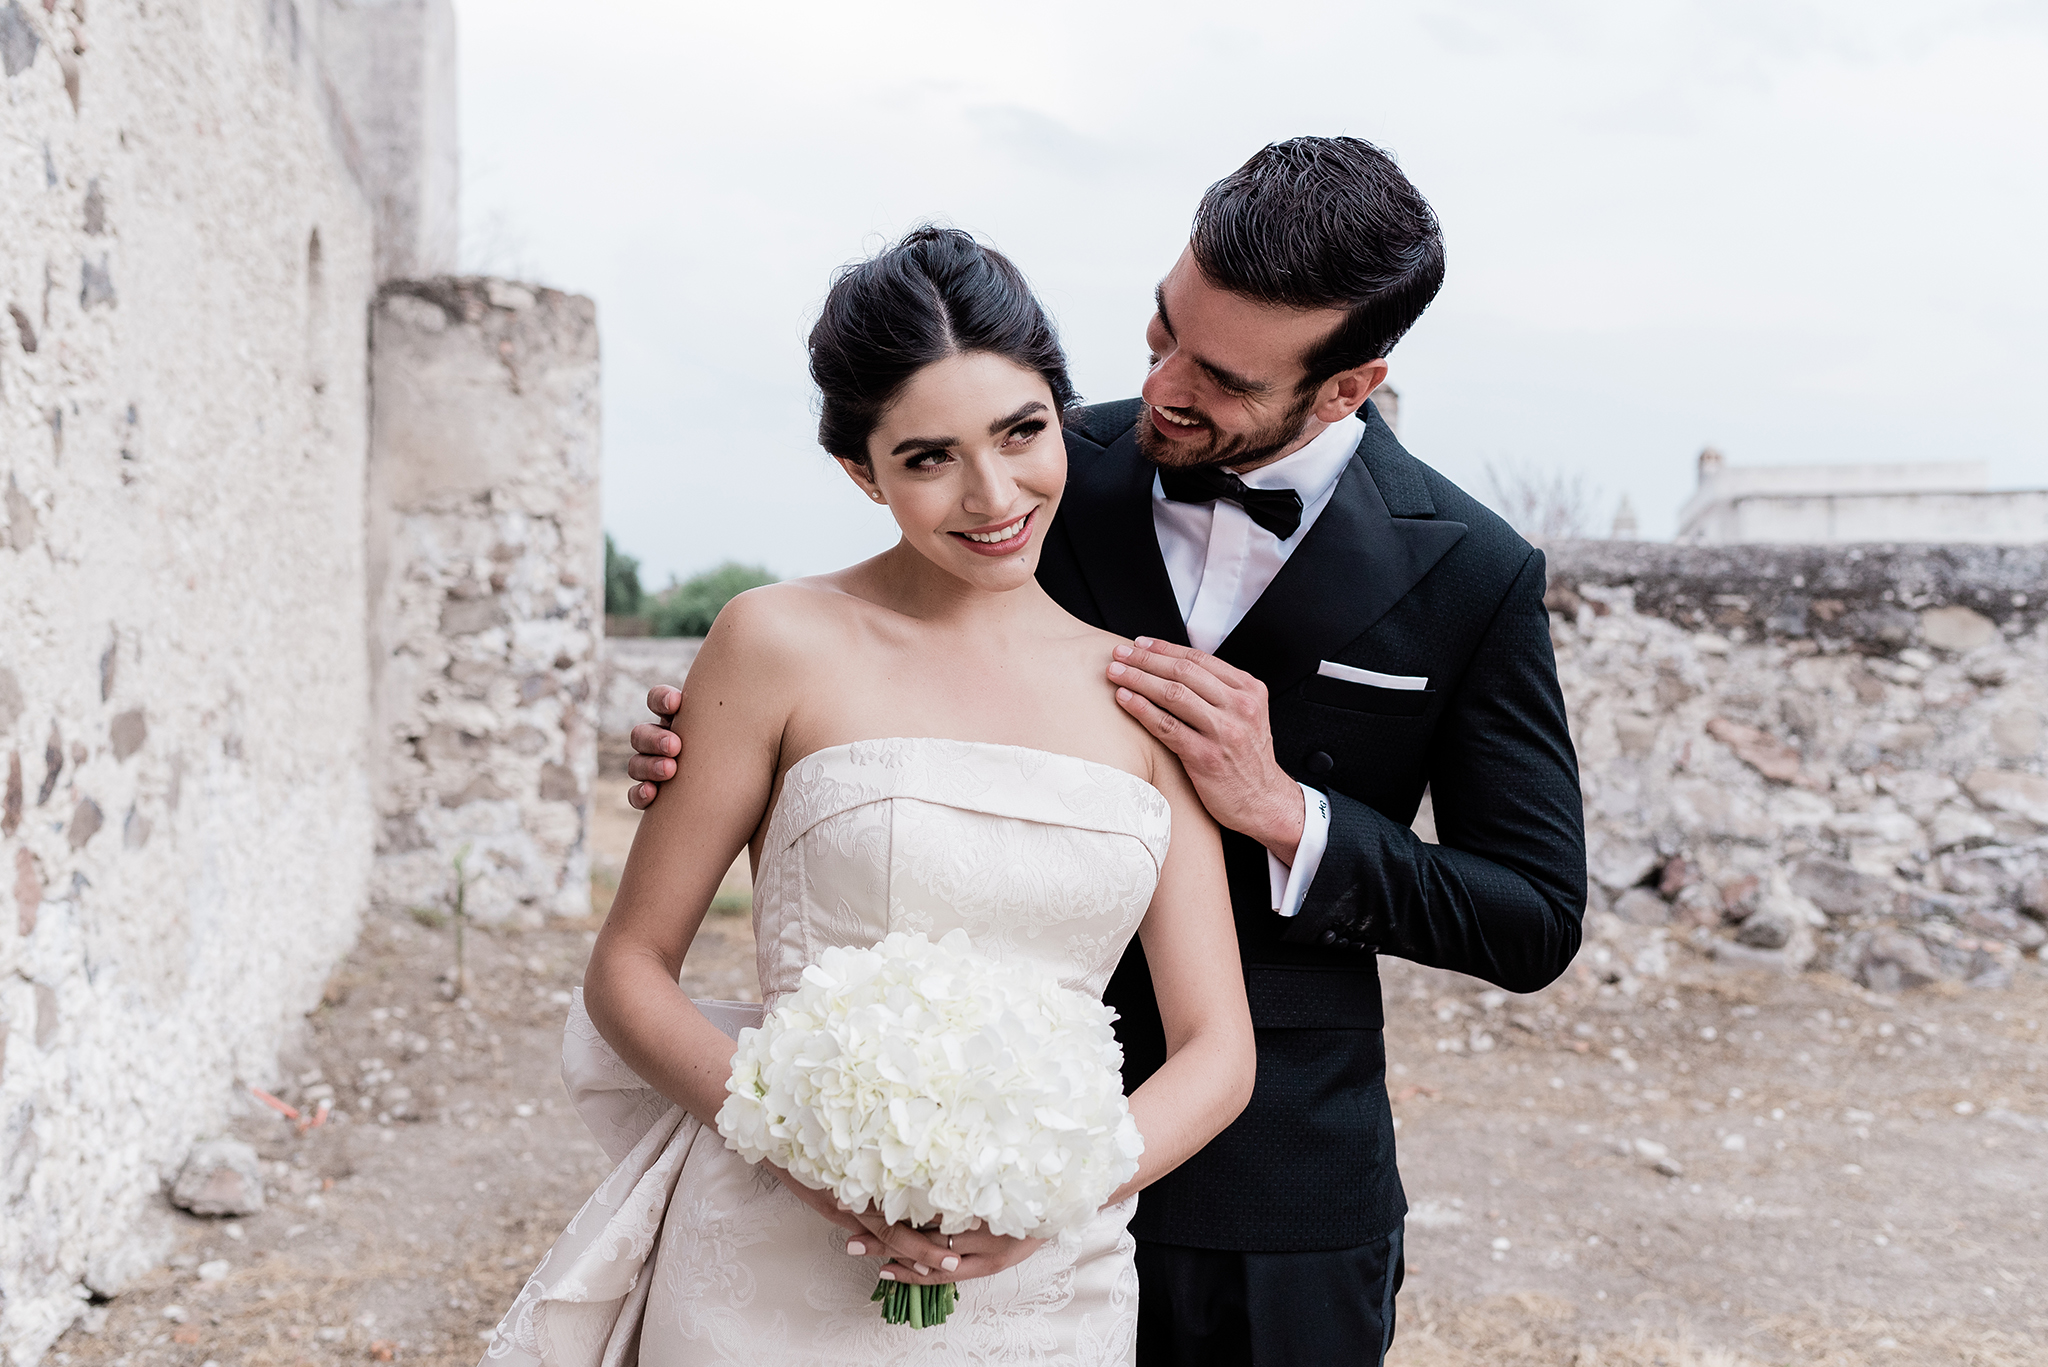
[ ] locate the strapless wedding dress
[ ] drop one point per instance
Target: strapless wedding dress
(688, 1255)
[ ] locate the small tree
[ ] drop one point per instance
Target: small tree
(689, 608)
(622, 595)
(1543, 507)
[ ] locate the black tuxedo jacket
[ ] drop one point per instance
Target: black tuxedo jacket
(1402, 573)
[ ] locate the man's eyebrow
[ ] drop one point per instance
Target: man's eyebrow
(1235, 383)
(1228, 379)
(1013, 419)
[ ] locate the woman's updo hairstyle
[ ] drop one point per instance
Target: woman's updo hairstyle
(935, 294)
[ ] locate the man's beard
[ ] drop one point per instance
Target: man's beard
(1246, 448)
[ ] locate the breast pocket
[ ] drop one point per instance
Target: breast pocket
(1358, 697)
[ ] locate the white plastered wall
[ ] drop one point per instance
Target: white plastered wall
(183, 676)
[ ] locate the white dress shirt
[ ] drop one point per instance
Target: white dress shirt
(1220, 562)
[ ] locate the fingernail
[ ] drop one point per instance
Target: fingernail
(856, 1248)
(950, 1264)
(1142, 640)
(1122, 652)
(1123, 695)
(1116, 671)
(887, 1275)
(922, 1270)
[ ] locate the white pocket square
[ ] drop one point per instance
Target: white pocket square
(1406, 683)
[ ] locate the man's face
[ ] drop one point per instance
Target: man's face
(1225, 383)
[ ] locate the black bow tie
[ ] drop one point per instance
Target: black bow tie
(1277, 510)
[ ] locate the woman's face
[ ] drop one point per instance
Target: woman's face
(971, 462)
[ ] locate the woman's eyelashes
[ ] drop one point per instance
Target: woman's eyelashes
(1016, 439)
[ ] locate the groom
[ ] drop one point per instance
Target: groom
(1324, 628)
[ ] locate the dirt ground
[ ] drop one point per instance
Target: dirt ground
(1730, 1169)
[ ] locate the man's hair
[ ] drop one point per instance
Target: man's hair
(1323, 223)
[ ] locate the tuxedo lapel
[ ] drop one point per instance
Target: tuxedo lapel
(1356, 562)
(1108, 515)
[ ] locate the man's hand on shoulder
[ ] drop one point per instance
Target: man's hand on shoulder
(754, 658)
(656, 748)
(1213, 715)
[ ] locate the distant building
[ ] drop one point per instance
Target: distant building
(1388, 400)
(1933, 501)
(1624, 521)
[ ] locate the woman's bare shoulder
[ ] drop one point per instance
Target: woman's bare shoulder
(1085, 655)
(774, 634)
(780, 616)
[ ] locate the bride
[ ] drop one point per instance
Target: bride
(919, 742)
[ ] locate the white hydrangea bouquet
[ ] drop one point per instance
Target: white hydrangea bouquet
(938, 1086)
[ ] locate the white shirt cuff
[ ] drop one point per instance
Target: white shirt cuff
(1290, 885)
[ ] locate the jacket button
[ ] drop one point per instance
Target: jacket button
(1329, 937)
(1320, 763)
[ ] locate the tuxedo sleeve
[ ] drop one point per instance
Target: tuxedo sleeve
(1502, 895)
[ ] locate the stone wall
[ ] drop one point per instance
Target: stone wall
(1826, 756)
(204, 743)
(185, 831)
(393, 63)
(632, 665)
(486, 593)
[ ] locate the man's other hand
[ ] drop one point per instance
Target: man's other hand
(1213, 715)
(656, 748)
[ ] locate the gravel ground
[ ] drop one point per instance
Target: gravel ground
(1723, 1169)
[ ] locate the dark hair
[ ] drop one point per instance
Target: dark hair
(935, 294)
(1319, 223)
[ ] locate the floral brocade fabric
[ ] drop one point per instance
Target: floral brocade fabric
(686, 1254)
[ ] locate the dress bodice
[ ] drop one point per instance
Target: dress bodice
(686, 1256)
(1037, 856)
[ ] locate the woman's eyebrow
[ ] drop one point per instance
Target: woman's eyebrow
(909, 444)
(1035, 406)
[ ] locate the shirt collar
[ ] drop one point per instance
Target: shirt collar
(1315, 469)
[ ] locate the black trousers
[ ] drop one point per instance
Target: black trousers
(1205, 1307)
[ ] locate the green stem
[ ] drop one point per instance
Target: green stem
(920, 1307)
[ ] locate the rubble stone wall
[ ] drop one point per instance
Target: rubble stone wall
(1826, 756)
(631, 666)
(486, 586)
(185, 825)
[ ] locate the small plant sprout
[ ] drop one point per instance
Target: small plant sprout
(461, 915)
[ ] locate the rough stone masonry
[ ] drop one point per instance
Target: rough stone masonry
(197, 525)
(486, 601)
(1800, 756)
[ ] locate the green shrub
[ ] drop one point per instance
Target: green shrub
(688, 608)
(622, 595)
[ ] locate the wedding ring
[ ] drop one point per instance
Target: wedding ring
(949, 1243)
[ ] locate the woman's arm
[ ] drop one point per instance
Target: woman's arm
(1190, 941)
(734, 709)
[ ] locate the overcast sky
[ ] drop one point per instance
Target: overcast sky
(1800, 232)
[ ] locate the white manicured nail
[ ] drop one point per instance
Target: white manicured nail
(950, 1264)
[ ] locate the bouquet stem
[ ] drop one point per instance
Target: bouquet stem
(920, 1307)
